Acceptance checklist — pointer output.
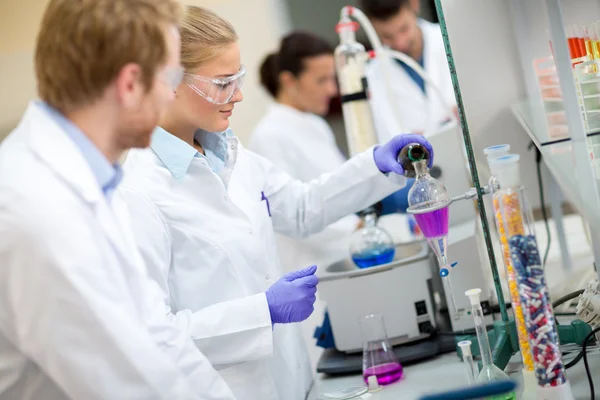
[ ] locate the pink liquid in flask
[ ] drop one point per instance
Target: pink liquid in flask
(433, 224)
(385, 373)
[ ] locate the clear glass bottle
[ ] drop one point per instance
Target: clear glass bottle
(379, 358)
(371, 245)
(489, 372)
(411, 153)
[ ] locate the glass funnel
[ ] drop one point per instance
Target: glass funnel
(379, 359)
(489, 372)
(371, 245)
(429, 203)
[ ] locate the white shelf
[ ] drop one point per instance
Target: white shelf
(558, 157)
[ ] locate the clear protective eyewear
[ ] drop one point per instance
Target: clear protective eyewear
(172, 76)
(217, 90)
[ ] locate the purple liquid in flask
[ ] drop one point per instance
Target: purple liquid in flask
(433, 224)
(385, 373)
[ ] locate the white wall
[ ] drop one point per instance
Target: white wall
(490, 78)
(19, 21)
(259, 23)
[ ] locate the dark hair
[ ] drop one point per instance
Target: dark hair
(382, 9)
(295, 48)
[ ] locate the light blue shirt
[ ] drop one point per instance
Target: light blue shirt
(108, 176)
(177, 155)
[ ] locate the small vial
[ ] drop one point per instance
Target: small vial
(470, 366)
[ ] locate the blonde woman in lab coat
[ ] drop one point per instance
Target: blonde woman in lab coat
(205, 211)
(419, 108)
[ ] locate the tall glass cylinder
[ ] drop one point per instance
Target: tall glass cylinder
(528, 272)
(500, 197)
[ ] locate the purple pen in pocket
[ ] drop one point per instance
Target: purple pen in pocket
(267, 201)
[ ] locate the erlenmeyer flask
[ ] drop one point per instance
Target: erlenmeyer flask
(378, 356)
(371, 245)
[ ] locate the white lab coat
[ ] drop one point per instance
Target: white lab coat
(79, 319)
(210, 243)
(418, 112)
(303, 145)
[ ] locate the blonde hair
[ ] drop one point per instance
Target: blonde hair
(204, 36)
(83, 44)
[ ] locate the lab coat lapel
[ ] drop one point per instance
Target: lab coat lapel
(63, 157)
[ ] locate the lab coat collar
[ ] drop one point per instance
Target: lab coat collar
(177, 155)
(108, 176)
(48, 141)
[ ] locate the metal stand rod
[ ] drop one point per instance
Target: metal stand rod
(471, 158)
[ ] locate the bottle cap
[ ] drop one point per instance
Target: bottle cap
(465, 347)
(473, 296)
(372, 382)
(506, 170)
(496, 151)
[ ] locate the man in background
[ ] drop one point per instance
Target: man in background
(416, 104)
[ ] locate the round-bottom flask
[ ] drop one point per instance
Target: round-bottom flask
(371, 245)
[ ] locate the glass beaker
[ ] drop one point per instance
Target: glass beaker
(371, 245)
(378, 356)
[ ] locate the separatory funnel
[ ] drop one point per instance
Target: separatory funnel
(371, 245)
(489, 372)
(429, 203)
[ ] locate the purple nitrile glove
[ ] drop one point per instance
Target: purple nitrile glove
(386, 156)
(292, 298)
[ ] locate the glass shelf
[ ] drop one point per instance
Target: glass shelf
(558, 157)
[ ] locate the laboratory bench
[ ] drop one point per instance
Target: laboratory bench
(447, 372)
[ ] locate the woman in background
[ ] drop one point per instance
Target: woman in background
(301, 78)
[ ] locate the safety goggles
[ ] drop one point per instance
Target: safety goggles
(217, 90)
(172, 76)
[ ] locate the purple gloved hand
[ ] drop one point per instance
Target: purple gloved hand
(386, 156)
(292, 298)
